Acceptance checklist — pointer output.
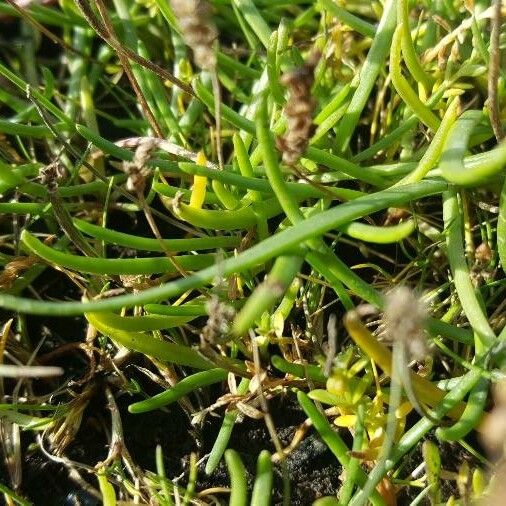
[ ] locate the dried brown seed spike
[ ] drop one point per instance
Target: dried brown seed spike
(50, 175)
(14, 269)
(197, 29)
(483, 254)
(298, 110)
(218, 323)
(136, 169)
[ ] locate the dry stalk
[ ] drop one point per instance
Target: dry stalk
(269, 422)
(101, 30)
(125, 63)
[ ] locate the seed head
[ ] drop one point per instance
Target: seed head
(483, 254)
(52, 174)
(299, 110)
(136, 169)
(218, 323)
(14, 269)
(197, 29)
(404, 319)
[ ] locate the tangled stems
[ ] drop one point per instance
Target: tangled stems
(424, 114)
(287, 202)
(248, 182)
(144, 343)
(245, 180)
(309, 225)
(289, 239)
(320, 257)
(148, 244)
(484, 335)
(184, 387)
(286, 267)
(381, 355)
(411, 438)
(452, 159)
(111, 266)
(316, 155)
(368, 74)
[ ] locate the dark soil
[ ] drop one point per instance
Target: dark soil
(313, 470)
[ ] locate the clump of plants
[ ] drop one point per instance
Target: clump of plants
(218, 212)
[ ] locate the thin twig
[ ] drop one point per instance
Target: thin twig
(116, 45)
(269, 421)
(70, 149)
(42, 29)
(332, 344)
(128, 71)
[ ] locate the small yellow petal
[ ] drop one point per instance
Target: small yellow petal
(201, 159)
(346, 420)
(403, 410)
(199, 184)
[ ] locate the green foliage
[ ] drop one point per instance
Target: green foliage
(213, 279)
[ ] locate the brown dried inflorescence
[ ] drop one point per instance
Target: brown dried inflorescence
(197, 29)
(298, 110)
(14, 269)
(66, 427)
(218, 323)
(136, 169)
(52, 174)
(404, 320)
